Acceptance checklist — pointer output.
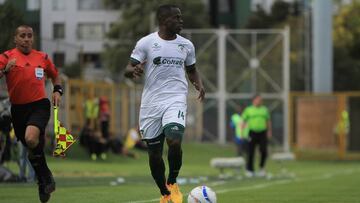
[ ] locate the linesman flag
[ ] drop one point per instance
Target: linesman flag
(63, 138)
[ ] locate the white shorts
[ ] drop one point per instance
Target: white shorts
(153, 119)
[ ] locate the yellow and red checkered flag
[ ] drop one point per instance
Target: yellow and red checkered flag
(63, 138)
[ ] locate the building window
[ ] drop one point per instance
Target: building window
(33, 5)
(58, 31)
(58, 5)
(90, 60)
(91, 31)
(91, 5)
(59, 59)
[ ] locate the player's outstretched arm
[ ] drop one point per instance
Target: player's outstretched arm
(134, 69)
(196, 81)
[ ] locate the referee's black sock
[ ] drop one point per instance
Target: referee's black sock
(38, 162)
(175, 162)
(157, 168)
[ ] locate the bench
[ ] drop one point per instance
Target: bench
(223, 163)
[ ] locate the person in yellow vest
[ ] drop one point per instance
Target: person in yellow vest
(257, 118)
(343, 125)
(241, 135)
(91, 112)
(133, 139)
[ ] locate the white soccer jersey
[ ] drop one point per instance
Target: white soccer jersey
(165, 80)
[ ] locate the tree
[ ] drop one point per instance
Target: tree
(346, 35)
(10, 19)
(137, 17)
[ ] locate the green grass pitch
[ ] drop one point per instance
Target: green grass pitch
(80, 180)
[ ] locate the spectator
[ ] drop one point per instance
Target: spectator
(133, 139)
(241, 135)
(25, 164)
(104, 116)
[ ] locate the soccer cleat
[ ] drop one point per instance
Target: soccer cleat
(46, 187)
(176, 195)
(103, 156)
(261, 173)
(249, 174)
(165, 199)
(93, 156)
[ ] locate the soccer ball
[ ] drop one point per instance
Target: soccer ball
(202, 194)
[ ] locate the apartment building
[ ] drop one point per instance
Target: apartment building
(74, 30)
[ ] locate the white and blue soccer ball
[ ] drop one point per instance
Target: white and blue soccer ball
(202, 194)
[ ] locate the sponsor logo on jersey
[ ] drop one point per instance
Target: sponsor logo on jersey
(168, 61)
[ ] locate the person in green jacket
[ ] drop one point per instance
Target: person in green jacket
(257, 118)
(241, 135)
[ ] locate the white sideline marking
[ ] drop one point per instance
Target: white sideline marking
(264, 185)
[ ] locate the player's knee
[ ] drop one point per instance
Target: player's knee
(174, 133)
(155, 147)
(31, 141)
(32, 135)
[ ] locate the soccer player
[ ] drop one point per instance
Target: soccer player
(164, 57)
(258, 121)
(25, 70)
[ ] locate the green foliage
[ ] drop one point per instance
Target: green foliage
(137, 17)
(10, 19)
(280, 10)
(73, 70)
(346, 36)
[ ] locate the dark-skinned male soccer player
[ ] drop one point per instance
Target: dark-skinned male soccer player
(164, 57)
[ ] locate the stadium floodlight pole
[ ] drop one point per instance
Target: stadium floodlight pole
(222, 95)
(286, 88)
(322, 46)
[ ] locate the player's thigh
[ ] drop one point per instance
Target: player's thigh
(40, 114)
(150, 122)
(174, 121)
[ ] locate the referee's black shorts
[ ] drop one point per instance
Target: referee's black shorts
(35, 113)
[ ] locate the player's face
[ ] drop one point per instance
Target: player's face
(257, 101)
(174, 22)
(24, 39)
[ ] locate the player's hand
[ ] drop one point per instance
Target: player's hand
(269, 134)
(201, 89)
(56, 98)
(139, 69)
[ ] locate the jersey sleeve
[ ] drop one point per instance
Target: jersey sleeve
(139, 52)
(50, 68)
(190, 58)
(267, 115)
(3, 61)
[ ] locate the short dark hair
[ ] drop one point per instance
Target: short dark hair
(255, 96)
(164, 11)
(21, 26)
